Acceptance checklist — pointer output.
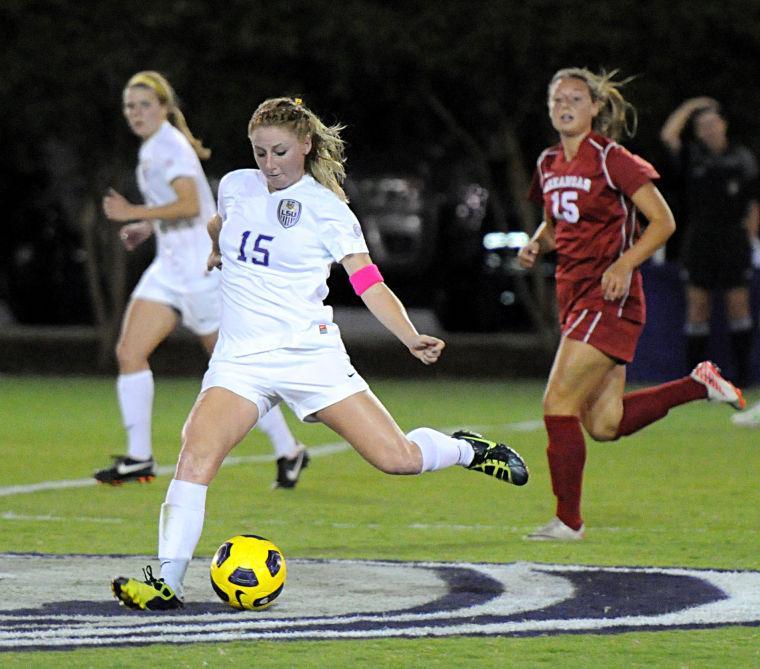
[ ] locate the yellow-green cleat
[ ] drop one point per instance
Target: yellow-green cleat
(494, 459)
(152, 593)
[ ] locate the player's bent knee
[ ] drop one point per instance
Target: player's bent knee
(559, 403)
(602, 431)
(200, 456)
(198, 465)
(129, 359)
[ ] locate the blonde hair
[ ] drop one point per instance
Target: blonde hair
(616, 115)
(326, 160)
(166, 96)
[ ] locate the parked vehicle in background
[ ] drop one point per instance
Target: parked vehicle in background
(400, 222)
(439, 251)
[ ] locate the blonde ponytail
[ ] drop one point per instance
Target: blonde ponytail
(166, 96)
(617, 116)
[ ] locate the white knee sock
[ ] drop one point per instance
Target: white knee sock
(179, 530)
(135, 393)
(273, 424)
(440, 450)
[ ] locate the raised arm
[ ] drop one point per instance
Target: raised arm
(670, 134)
(388, 309)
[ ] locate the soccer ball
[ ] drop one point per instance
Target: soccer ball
(248, 572)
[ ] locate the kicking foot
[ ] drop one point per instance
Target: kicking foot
(494, 459)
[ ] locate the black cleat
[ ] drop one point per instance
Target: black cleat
(289, 469)
(125, 469)
(494, 459)
(152, 594)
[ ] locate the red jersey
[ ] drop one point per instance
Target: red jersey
(595, 221)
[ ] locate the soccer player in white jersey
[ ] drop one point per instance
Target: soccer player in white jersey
(278, 231)
(177, 286)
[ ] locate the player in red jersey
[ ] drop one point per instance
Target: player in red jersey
(591, 189)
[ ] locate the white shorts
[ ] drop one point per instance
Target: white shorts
(200, 310)
(307, 379)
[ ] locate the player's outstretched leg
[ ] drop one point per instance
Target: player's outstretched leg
(125, 469)
(718, 388)
(152, 593)
(494, 459)
(289, 469)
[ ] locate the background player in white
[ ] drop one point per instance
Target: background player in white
(178, 205)
(282, 227)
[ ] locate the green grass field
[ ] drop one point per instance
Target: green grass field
(681, 493)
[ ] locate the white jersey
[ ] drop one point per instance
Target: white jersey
(277, 249)
(182, 245)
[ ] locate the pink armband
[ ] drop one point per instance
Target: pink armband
(365, 278)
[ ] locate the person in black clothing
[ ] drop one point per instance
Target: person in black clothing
(720, 182)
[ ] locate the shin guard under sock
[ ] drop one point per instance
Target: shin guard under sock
(643, 407)
(567, 457)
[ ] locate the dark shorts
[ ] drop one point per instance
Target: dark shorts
(720, 267)
(614, 336)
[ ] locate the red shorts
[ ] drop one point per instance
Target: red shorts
(611, 334)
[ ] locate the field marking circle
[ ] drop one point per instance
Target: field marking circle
(335, 599)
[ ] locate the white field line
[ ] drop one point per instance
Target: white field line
(47, 518)
(314, 451)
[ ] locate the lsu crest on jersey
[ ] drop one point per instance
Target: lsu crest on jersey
(288, 213)
(278, 248)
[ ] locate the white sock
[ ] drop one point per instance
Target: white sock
(135, 393)
(179, 529)
(273, 424)
(440, 450)
(740, 324)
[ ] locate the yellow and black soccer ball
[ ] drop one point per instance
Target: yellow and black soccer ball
(248, 572)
